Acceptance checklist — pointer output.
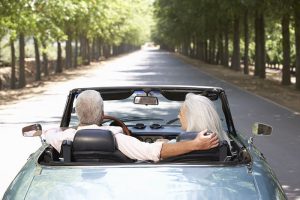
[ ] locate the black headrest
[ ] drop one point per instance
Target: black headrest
(94, 140)
(192, 135)
(186, 136)
(218, 153)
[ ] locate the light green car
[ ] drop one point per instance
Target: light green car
(92, 167)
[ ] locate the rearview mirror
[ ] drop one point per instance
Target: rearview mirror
(145, 100)
(32, 130)
(261, 129)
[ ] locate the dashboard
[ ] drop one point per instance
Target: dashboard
(152, 133)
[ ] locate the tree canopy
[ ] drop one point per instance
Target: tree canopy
(113, 20)
(90, 28)
(231, 32)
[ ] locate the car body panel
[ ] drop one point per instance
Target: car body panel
(234, 179)
(268, 186)
(143, 182)
(21, 183)
(146, 181)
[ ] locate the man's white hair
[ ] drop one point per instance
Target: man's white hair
(89, 107)
(201, 114)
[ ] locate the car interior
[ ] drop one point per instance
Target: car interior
(98, 147)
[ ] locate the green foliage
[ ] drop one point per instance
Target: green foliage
(179, 21)
(114, 21)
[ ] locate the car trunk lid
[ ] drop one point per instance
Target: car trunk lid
(144, 182)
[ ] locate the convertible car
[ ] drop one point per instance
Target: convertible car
(91, 166)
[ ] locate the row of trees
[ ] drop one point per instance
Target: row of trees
(230, 31)
(89, 30)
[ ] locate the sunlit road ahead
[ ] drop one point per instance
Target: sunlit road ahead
(153, 67)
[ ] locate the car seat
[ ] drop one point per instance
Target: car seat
(93, 145)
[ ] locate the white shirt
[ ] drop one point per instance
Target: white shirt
(129, 146)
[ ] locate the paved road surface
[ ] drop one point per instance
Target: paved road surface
(153, 67)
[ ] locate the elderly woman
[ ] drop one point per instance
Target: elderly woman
(89, 109)
(198, 113)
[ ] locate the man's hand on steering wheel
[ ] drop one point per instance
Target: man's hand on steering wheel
(118, 122)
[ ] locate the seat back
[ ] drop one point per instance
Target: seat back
(94, 145)
(218, 153)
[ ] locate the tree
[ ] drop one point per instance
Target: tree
(236, 44)
(37, 60)
(246, 42)
(22, 78)
(286, 72)
(13, 19)
(281, 10)
(297, 41)
(260, 50)
(13, 64)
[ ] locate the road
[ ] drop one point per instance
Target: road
(153, 67)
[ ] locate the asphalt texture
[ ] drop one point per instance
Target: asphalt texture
(155, 67)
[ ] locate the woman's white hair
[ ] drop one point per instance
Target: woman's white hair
(200, 114)
(89, 107)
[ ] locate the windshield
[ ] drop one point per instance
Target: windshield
(165, 113)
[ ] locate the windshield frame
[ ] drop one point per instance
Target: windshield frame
(173, 93)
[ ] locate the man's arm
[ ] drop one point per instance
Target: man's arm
(55, 136)
(201, 142)
(135, 149)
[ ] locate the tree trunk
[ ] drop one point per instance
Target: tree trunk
(13, 65)
(22, 78)
(83, 50)
(106, 50)
(235, 65)
(260, 53)
(226, 47)
(193, 47)
(206, 50)
(286, 73)
(82, 45)
(88, 52)
(198, 44)
(179, 48)
(220, 54)
(69, 50)
(58, 68)
(262, 61)
(37, 60)
(297, 39)
(212, 52)
(263, 48)
(115, 50)
(257, 44)
(122, 48)
(45, 60)
(246, 50)
(202, 49)
(100, 50)
(185, 48)
(209, 51)
(76, 54)
(94, 50)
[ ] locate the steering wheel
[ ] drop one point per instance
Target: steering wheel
(118, 122)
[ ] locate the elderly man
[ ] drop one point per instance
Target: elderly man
(89, 109)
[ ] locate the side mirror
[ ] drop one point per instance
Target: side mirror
(261, 129)
(32, 130)
(145, 100)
